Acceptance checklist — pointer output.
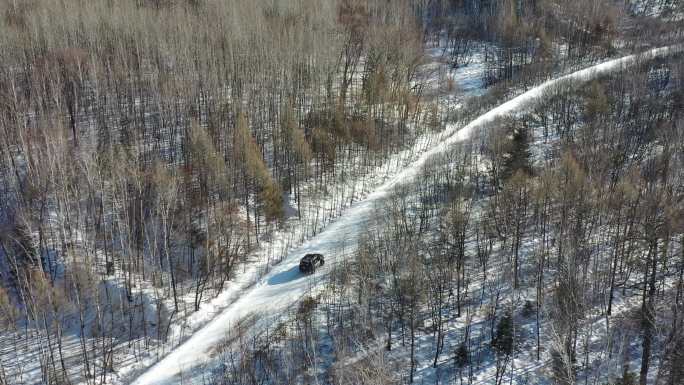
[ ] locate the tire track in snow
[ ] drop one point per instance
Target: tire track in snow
(284, 285)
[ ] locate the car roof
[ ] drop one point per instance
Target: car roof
(309, 257)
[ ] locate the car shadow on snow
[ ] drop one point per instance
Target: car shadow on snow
(286, 276)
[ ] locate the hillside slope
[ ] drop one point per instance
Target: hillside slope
(284, 285)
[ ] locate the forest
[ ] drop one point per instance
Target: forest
(162, 160)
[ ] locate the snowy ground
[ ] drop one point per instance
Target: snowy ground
(280, 288)
(318, 209)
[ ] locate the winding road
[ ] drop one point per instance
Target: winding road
(283, 286)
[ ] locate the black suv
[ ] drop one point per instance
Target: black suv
(310, 261)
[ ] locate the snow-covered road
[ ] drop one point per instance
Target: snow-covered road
(284, 285)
